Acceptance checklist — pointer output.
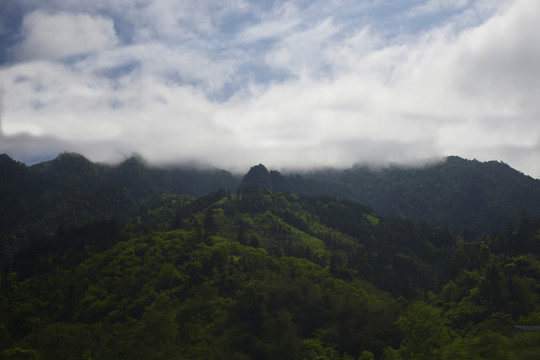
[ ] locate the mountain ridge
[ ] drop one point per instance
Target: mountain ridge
(467, 196)
(464, 195)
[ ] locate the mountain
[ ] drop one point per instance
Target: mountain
(257, 176)
(463, 195)
(469, 197)
(70, 191)
(264, 274)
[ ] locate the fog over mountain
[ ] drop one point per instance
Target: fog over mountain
(284, 83)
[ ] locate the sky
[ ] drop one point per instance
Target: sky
(290, 84)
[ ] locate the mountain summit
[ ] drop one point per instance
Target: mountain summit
(257, 176)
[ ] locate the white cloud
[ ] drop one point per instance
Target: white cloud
(435, 6)
(50, 36)
(446, 93)
(303, 52)
(276, 24)
(482, 77)
(466, 86)
(503, 58)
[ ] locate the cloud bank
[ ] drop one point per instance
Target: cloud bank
(285, 83)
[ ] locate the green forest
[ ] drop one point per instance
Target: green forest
(132, 262)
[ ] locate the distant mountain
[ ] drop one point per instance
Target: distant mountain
(257, 176)
(470, 197)
(478, 197)
(70, 191)
(146, 182)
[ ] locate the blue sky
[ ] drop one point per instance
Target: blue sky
(291, 84)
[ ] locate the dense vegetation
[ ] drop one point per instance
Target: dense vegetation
(459, 194)
(71, 191)
(471, 198)
(260, 274)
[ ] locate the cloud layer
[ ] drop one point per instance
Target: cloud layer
(285, 83)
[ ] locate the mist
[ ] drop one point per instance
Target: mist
(290, 85)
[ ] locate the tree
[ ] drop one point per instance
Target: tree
(210, 225)
(426, 331)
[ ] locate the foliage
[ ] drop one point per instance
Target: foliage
(463, 195)
(260, 274)
(71, 191)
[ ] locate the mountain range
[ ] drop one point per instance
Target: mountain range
(134, 261)
(462, 195)
(467, 196)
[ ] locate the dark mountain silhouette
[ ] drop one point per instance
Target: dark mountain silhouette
(70, 191)
(470, 197)
(257, 176)
(479, 197)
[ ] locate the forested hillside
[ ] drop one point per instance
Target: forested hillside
(70, 191)
(469, 197)
(463, 195)
(264, 274)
